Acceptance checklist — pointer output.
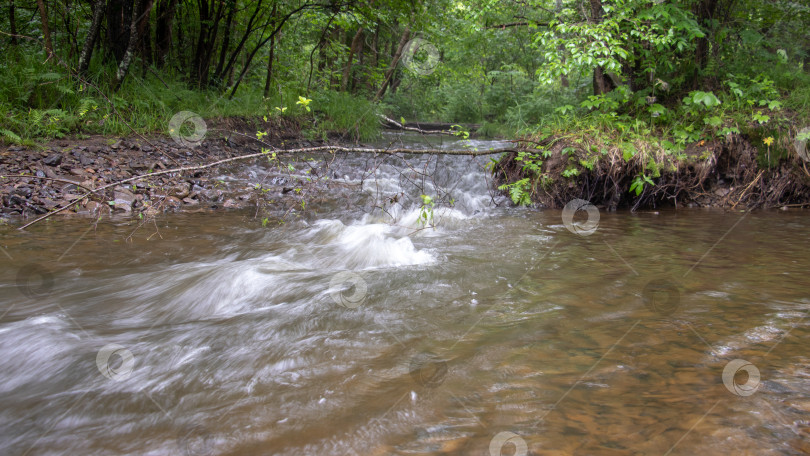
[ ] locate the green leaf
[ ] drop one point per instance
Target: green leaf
(628, 151)
(713, 121)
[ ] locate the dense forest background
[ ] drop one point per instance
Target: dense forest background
(682, 69)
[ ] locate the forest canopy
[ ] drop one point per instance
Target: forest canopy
(103, 66)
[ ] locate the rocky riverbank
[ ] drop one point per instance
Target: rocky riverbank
(37, 180)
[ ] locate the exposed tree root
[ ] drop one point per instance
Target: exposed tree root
(719, 174)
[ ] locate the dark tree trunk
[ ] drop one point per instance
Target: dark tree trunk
(229, 67)
(92, 35)
(163, 29)
(278, 24)
(145, 32)
(358, 75)
(70, 33)
(209, 25)
(119, 19)
(601, 82)
(226, 41)
(322, 44)
(270, 57)
(705, 14)
(353, 49)
(389, 73)
(46, 32)
(129, 53)
(12, 22)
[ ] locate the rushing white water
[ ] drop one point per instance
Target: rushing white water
(363, 331)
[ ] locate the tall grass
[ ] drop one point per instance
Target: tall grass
(350, 116)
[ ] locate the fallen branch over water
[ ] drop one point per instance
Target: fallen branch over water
(393, 123)
(265, 152)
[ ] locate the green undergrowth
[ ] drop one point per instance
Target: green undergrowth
(42, 101)
(635, 138)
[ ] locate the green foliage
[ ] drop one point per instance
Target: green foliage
(426, 210)
(509, 79)
(520, 191)
(638, 183)
(701, 100)
(631, 33)
(352, 116)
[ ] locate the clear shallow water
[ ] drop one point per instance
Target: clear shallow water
(352, 331)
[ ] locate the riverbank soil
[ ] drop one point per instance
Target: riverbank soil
(732, 173)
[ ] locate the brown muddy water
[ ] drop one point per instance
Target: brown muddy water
(501, 331)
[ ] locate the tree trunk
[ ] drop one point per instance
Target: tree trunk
(202, 54)
(375, 44)
(226, 41)
(46, 32)
(321, 46)
(145, 32)
(92, 35)
(12, 22)
(705, 14)
(119, 19)
(278, 24)
(561, 49)
(358, 75)
(123, 67)
(209, 41)
(270, 58)
(229, 66)
(389, 73)
(374, 54)
(163, 29)
(356, 42)
(338, 36)
(601, 82)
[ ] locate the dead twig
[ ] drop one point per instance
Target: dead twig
(742, 195)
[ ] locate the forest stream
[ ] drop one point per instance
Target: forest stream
(365, 329)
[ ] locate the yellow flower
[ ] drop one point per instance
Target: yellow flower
(768, 141)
